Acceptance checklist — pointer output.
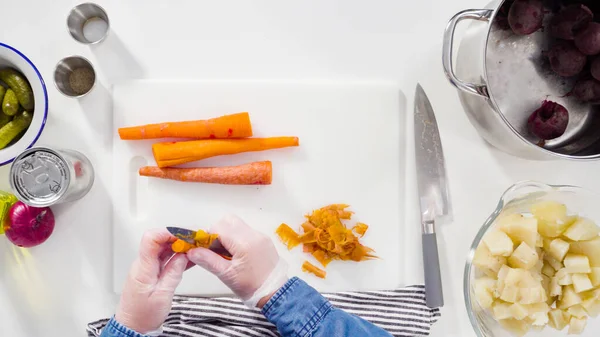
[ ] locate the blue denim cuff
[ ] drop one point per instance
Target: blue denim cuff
(116, 329)
(296, 308)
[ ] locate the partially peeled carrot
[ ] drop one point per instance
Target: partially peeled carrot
(176, 153)
(258, 173)
(228, 126)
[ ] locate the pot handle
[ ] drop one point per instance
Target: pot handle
(471, 14)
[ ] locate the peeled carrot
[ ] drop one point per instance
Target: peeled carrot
(311, 268)
(181, 246)
(258, 173)
(175, 153)
(228, 126)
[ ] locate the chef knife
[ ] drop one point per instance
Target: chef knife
(188, 235)
(434, 198)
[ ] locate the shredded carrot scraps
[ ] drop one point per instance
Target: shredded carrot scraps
(288, 236)
(202, 239)
(309, 247)
(310, 268)
(360, 228)
(325, 236)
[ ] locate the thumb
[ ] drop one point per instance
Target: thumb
(209, 260)
(172, 273)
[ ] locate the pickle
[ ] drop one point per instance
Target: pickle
(14, 128)
(2, 93)
(4, 119)
(20, 86)
(10, 103)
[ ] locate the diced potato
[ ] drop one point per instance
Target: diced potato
(486, 262)
(558, 249)
(595, 276)
(557, 265)
(518, 311)
(590, 248)
(523, 257)
(575, 263)
(564, 277)
(551, 301)
(504, 270)
(581, 230)
(577, 325)
(521, 278)
(555, 288)
(539, 318)
(501, 310)
(548, 270)
(552, 218)
(539, 265)
(520, 229)
(539, 243)
(532, 295)
(591, 306)
(510, 294)
(581, 283)
(569, 298)
(484, 290)
(557, 319)
(577, 311)
(518, 328)
(538, 313)
(593, 294)
(498, 243)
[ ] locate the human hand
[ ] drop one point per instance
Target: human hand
(148, 293)
(255, 271)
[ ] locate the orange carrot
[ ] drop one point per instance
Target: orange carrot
(311, 268)
(258, 173)
(175, 153)
(228, 126)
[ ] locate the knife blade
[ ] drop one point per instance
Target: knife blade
(434, 197)
(188, 236)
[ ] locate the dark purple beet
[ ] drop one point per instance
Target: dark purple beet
(549, 121)
(566, 60)
(502, 16)
(588, 39)
(587, 90)
(595, 68)
(526, 16)
(569, 20)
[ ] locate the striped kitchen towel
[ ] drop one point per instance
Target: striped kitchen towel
(401, 312)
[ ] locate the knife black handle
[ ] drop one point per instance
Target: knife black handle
(433, 278)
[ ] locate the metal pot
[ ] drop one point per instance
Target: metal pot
(502, 78)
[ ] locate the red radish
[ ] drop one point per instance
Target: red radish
(29, 226)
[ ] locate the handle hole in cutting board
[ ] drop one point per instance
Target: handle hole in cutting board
(137, 186)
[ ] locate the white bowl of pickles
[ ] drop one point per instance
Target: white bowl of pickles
(23, 103)
(534, 267)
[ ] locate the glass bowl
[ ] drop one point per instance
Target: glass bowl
(518, 199)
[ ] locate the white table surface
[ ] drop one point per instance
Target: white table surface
(56, 288)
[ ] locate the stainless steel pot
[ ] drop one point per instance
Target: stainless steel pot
(502, 78)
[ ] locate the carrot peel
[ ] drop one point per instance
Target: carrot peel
(326, 238)
(310, 268)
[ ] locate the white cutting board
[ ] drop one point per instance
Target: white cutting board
(352, 150)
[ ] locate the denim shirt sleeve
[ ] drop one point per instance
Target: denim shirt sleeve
(298, 310)
(115, 329)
